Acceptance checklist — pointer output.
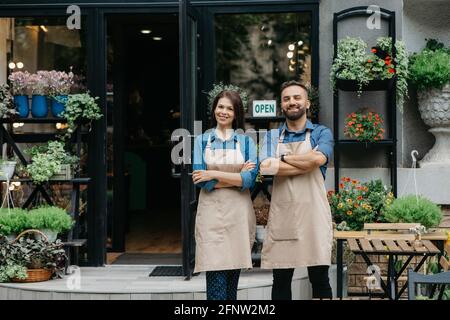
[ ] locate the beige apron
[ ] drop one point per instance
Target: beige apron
(299, 226)
(225, 223)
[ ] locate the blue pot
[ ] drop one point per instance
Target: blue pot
(39, 107)
(57, 106)
(22, 107)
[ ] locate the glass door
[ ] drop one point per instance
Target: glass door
(188, 21)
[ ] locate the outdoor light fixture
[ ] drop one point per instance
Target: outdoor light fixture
(291, 68)
(157, 38)
(11, 65)
(291, 47)
(146, 31)
(292, 62)
(290, 54)
(269, 42)
(44, 28)
(300, 42)
(19, 65)
(18, 124)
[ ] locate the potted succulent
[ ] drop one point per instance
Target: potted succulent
(80, 107)
(39, 89)
(12, 222)
(411, 208)
(430, 73)
(6, 102)
(354, 69)
(50, 162)
(30, 260)
(51, 221)
(19, 86)
(59, 84)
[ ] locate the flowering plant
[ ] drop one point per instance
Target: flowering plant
(38, 83)
(19, 81)
(59, 82)
(364, 125)
(6, 102)
(356, 203)
(218, 88)
(353, 62)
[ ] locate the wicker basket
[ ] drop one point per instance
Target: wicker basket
(34, 275)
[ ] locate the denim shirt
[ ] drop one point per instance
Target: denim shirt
(321, 136)
(249, 153)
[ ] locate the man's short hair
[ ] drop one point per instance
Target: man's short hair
(291, 83)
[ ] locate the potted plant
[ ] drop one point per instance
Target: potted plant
(50, 161)
(430, 73)
(411, 208)
(12, 222)
(358, 203)
(354, 69)
(39, 89)
(19, 86)
(59, 84)
(80, 107)
(6, 102)
(262, 214)
(364, 125)
(50, 220)
(7, 168)
(30, 260)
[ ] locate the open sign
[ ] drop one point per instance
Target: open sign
(264, 108)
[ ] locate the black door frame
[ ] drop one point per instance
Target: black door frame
(96, 18)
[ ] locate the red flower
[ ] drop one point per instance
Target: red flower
(373, 50)
(391, 70)
(369, 60)
(341, 185)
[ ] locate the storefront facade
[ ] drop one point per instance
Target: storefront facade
(254, 44)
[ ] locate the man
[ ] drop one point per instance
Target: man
(299, 227)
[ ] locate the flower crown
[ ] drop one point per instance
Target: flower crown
(218, 88)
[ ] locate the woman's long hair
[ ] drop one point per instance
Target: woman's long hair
(238, 108)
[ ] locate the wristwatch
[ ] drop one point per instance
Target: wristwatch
(282, 158)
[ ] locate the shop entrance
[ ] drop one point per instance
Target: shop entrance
(144, 210)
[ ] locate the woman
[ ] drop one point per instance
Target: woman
(225, 168)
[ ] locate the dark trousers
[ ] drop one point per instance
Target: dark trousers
(318, 276)
(222, 285)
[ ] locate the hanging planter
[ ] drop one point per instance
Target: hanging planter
(7, 169)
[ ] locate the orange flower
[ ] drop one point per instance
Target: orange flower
(373, 50)
(369, 60)
(341, 185)
(354, 181)
(360, 198)
(349, 212)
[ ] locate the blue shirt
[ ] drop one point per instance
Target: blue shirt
(321, 136)
(248, 150)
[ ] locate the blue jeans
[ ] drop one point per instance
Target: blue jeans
(222, 285)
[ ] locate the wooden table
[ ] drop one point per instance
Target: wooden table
(392, 244)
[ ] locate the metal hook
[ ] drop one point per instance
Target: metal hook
(414, 156)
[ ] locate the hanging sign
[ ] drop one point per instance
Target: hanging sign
(264, 108)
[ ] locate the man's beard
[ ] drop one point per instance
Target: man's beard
(293, 116)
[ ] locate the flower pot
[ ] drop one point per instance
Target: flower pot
(434, 107)
(260, 233)
(7, 170)
(57, 106)
(373, 85)
(39, 107)
(21, 103)
(51, 235)
(35, 275)
(64, 174)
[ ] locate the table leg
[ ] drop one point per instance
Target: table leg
(391, 278)
(340, 269)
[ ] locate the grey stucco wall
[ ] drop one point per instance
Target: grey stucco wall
(421, 19)
(348, 102)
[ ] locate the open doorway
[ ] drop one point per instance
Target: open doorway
(144, 222)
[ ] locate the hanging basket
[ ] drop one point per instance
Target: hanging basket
(373, 85)
(34, 275)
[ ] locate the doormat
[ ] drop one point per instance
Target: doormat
(167, 271)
